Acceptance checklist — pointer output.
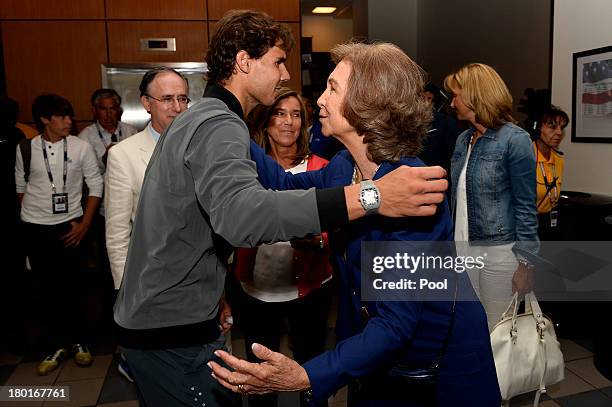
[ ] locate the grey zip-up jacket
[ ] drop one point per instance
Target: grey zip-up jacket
(200, 192)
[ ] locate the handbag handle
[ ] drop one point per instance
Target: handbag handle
(531, 306)
(532, 302)
(541, 322)
(512, 308)
(512, 311)
(534, 306)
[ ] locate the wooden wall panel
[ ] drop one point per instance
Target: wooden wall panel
(64, 56)
(53, 56)
(56, 9)
(281, 10)
(124, 41)
(294, 63)
(156, 9)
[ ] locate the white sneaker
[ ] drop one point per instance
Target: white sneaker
(124, 369)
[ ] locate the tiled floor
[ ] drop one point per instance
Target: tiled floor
(102, 385)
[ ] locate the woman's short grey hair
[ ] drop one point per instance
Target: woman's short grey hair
(384, 100)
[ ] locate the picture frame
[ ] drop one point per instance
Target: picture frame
(592, 96)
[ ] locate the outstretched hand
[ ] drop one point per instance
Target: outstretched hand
(275, 373)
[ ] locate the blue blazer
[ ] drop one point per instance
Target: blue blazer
(406, 332)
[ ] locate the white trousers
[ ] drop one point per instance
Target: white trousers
(493, 283)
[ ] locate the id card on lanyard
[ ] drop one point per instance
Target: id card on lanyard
(550, 188)
(59, 201)
(114, 138)
(554, 215)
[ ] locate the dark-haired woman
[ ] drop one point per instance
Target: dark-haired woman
(549, 171)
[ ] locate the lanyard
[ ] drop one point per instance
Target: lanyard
(44, 150)
(102, 137)
(552, 186)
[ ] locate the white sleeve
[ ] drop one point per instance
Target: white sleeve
(93, 179)
(118, 204)
(19, 172)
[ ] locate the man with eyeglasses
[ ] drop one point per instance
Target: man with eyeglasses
(107, 129)
(163, 93)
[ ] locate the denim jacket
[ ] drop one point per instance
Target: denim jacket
(500, 187)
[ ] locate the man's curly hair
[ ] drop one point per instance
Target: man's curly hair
(384, 99)
(252, 31)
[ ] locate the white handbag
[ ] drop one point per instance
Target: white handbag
(527, 354)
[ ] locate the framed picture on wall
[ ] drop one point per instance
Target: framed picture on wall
(592, 96)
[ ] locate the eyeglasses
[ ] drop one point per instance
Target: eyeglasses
(169, 100)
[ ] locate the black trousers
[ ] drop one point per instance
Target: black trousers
(14, 288)
(179, 377)
(391, 391)
(59, 286)
(263, 322)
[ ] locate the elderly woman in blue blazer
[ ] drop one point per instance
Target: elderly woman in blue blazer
(374, 105)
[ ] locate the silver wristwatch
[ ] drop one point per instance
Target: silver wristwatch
(369, 197)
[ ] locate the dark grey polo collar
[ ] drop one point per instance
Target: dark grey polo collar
(219, 92)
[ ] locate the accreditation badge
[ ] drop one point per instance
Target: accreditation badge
(554, 215)
(60, 203)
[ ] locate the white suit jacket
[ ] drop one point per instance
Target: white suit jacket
(125, 169)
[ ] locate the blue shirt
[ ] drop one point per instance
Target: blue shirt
(154, 134)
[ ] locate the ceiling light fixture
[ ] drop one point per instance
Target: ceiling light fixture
(323, 10)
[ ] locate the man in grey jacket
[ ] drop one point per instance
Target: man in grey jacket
(201, 196)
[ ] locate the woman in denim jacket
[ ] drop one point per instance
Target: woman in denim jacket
(494, 187)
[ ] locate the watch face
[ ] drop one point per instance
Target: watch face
(369, 197)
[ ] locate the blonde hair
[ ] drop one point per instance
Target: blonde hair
(484, 92)
(384, 100)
